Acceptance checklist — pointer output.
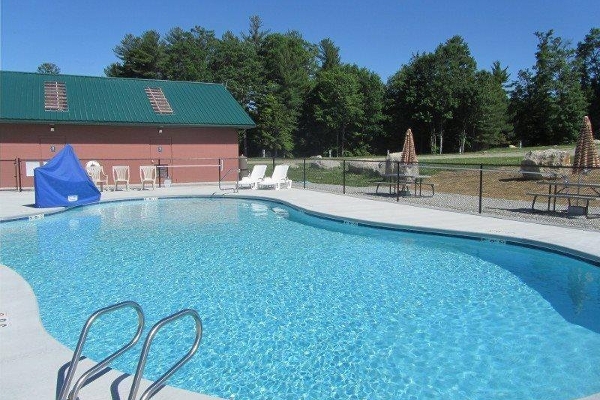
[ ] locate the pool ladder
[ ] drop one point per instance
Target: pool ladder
(66, 394)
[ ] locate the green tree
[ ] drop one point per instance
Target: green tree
(343, 112)
(188, 54)
(454, 83)
(48, 68)
(256, 36)
(500, 74)
(338, 102)
(368, 132)
(236, 64)
(289, 64)
(408, 103)
(588, 55)
(491, 126)
(141, 57)
(435, 93)
(548, 102)
(329, 54)
(274, 126)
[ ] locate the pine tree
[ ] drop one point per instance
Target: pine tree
(548, 103)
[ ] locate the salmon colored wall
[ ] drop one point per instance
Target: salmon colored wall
(182, 148)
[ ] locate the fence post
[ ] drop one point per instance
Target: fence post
(159, 170)
(397, 180)
(18, 175)
(344, 176)
(480, 187)
(304, 172)
(219, 168)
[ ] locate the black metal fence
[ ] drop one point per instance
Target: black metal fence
(471, 188)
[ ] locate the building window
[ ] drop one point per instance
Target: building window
(55, 96)
(159, 102)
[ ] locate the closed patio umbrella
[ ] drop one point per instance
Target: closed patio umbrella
(586, 154)
(408, 163)
(409, 155)
(586, 157)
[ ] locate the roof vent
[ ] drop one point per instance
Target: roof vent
(55, 96)
(159, 102)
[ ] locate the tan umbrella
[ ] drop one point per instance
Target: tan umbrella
(409, 155)
(586, 155)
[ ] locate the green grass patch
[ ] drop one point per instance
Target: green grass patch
(499, 157)
(333, 176)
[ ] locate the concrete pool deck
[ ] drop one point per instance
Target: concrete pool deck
(31, 361)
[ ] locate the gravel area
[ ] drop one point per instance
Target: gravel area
(492, 207)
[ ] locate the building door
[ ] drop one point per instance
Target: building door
(50, 145)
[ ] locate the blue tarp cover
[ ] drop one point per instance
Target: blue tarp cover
(63, 182)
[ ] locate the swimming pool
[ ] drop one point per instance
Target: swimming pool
(299, 307)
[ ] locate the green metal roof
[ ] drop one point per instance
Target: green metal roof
(99, 100)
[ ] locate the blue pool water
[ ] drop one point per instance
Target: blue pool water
(295, 306)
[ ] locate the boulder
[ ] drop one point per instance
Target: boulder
(360, 167)
(319, 163)
(391, 163)
(538, 164)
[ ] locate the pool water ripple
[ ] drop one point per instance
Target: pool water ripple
(299, 307)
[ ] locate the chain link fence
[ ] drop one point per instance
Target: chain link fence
(504, 191)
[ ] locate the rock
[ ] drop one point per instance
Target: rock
(323, 164)
(391, 162)
(538, 164)
(360, 167)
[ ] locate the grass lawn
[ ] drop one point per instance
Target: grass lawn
(500, 179)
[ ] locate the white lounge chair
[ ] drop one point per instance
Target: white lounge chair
(96, 173)
(121, 174)
(256, 176)
(278, 180)
(148, 175)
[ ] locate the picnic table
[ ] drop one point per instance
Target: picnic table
(569, 191)
(403, 182)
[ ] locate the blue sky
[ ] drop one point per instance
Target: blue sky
(80, 35)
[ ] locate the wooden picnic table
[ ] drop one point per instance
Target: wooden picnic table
(564, 190)
(403, 182)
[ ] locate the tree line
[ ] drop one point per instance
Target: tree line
(306, 101)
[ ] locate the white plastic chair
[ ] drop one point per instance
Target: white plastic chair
(96, 173)
(277, 180)
(121, 174)
(256, 176)
(148, 175)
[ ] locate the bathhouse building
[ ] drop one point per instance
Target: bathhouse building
(190, 129)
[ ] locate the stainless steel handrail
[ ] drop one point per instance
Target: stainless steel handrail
(144, 355)
(82, 338)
